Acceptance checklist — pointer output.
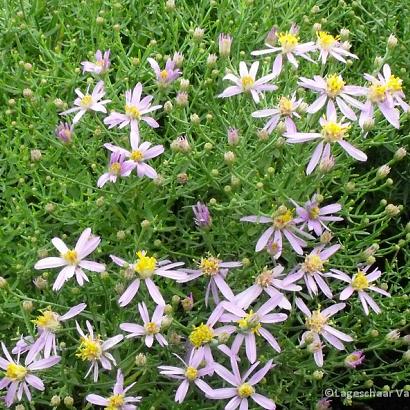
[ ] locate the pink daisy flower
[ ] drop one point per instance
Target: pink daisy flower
(311, 270)
(243, 387)
(138, 156)
(73, 259)
(283, 223)
(314, 217)
(192, 372)
(269, 282)
(95, 351)
(18, 378)
(246, 82)
(250, 325)
(145, 268)
(317, 325)
(151, 329)
(354, 359)
(333, 88)
(215, 270)
(48, 324)
(117, 167)
(88, 102)
(135, 111)
(329, 45)
(360, 282)
(332, 132)
(285, 109)
(101, 65)
(385, 92)
(118, 400)
(166, 76)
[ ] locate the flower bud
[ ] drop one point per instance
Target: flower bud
(27, 305)
(55, 401)
(68, 401)
(233, 136)
(198, 34)
(317, 27)
(140, 360)
(178, 59)
(383, 171)
(182, 99)
(378, 61)
(211, 60)
(393, 336)
(3, 283)
(182, 178)
(170, 5)
(174, 338)
(28, 93)
(392, 41)
(188, 303)
(344, 34)
(168, 309)
(400, 154)
(35, 155)
(183, 84)
(326, 237)
(223, 338)
(195, 119)
(406, 356)
(229, 157)
(262, 134)
(392, 210)
(168, 107)
(225, 42)
(175, 300)
(317, 375)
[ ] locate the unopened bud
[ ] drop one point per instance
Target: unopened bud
(168, 106)
(392, 41)
(140, 360)
(68, 401)
(55, 401)
(383, 171)
(35, 155)
(326, 237)
(211, 60)
(27, 305)
(229, 157)
(344, 34)
(195, 119)
(392, 210)
(400, 154)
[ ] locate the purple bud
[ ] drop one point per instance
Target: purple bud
(64, 132)
(202, 217)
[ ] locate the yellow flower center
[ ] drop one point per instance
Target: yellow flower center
(132, 111)
(115, 402)
(16, 372)
(191, 373)
(285, 106)
(115, 168)
(70, 257)
(145, 265)
(201, 335)
(245, 390)
(247, 82)
(288, 41)
(351, 358)
(163, 74)
(250, 323)
(333, 131)
(377, 92)
(209, 266)
(48, 320)
(360, 281)
(283, 219)
(325, 40)
(89, 349)
(99, 63)
(334, 85)
(316, 322)
(151, 328)
(394, 83)
(86, 101)
(137, 155)
(314, 212)
(265, 278)
(312, 264)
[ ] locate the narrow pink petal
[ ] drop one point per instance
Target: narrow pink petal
(51, 262)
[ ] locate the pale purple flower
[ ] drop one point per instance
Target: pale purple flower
(88, 102)
(101, 65)
(145, 268)
(250, 325)
(151, 329)
(117, 167)
(18, 378)
(246, 82)
(73, 259)
(138, 156)
(243, 386)
(118, 400)
(360, 282)
(312, 271)
(317, 325)
(166, 76)
(289, 48)
(354, 359)
(269, 282)
(285, 109)
(224, 44)
(64, 132)
(329, 45)
(135, 111)
(332, 132)
(314, 216)
(233, 136)
(203, 217)
(324, 404)
(384, 92)
(95, 350)
(215, 270)
(192, 372)
(48, 324)
(333, 88)
(282, 223)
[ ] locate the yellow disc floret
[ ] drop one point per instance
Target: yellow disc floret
(360, 281)
(151, 328)
(191, 373)
(89, 349)
(314, 212)
(115, 402)
(288, 41)
(209, 266)
(325, 40)
(48, 320)
(285, 106)
(247, 82)
(163, 75)
(265, 278)
(394, 83)
(132, 111)
(316, 322)
(145, 265)
(201, 335)
(334, 131)
(250, 323)
(86, 101)
(334, 85)
(283, 219)
(15, 372)
(70, 257)
(115, 168)
(137, 155)
(245, 390)
(377, 93)
(312, 264)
